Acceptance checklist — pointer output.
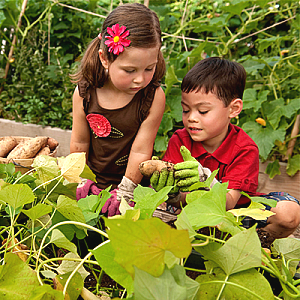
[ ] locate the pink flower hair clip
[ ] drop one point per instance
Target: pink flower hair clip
(117, 41)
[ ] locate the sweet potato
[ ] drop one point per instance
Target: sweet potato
(148, 167)
(6, 145)
(29, 148)
(52, 143)
(44, 151)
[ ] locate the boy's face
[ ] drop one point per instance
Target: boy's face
(206, 118)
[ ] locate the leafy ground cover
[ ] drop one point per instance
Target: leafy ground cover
(43, 230)
(262, 35)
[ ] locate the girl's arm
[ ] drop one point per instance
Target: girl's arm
(142, 147)
(80, 137)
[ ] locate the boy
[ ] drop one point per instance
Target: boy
(212, 94)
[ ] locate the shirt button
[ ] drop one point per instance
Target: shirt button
(246, 181)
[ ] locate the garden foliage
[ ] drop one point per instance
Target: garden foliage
(42, 225)
(262, 35)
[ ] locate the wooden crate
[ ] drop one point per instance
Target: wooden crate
(23, 165)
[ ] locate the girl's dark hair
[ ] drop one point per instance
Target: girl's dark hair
(144, 32)
(224, 78)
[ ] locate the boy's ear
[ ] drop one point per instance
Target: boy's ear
(236, 107)
(103, 59)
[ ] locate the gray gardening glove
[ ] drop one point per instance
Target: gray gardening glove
(125, 189)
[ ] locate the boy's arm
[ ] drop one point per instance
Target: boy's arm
(232, 197)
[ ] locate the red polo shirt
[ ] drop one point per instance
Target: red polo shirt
(237, 158)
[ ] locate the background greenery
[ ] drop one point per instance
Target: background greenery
(262, 35)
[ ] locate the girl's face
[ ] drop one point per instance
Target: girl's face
(206, 118)
(132, 70)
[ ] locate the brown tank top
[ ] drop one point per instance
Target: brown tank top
(112, 132)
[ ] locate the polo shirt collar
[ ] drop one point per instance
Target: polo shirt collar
(224, 153)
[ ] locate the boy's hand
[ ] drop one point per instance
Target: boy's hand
(190, 171)
(158, 180)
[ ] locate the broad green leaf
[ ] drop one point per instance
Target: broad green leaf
(264, 137)
(263, 200)
(37, 211)
(255, 213)
(88, 173)
(69, 208)
(252, 66)
(68, 230)
(46, 292)
(161, 143)
(16, 195)
(253, 100)
(58, 238)
(17, 279)
(143, 243)
(236, 7)
(273, 169)
(72, 166)
(170, 78)
(293, 165)
(166, 124)
(74, 287)
(252, 280)
(229, 225)
(69, 266)
(105, 257)
(240, 252)
(46, 167)
(290, 249)
(209, 210)
(267, 42)
(172, 284)
(184, 223)
(148, 204)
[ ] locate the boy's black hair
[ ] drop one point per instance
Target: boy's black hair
(224, 78)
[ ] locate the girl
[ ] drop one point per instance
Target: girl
(118, 103)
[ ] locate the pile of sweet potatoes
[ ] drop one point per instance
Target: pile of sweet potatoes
(23, 148)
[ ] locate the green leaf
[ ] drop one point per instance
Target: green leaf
(170, 79)
(58, 238)
(37, 211)
(209, 210)
(17, 195)
(46, 167)
(264, 137)
(105, 256)
(236, 7)
(250, 279)
(72, 166)
(240, 252)
(143, 243)
(17, 279)
(253, 100)
(172, 284)
(46, 292)
(161, 143)
(69, 208)
(255, 213)
(74, 287)
(184, 223)
(149, 203)
(273, 169)
(293, 165)
(290, 249)
(67, 266)
(88, 173)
